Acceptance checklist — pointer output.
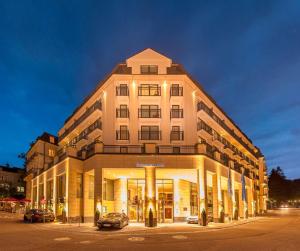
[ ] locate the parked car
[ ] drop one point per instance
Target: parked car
(117, 220)
(192, 219)
(38, 215)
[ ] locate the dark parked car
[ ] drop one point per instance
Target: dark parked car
(117, 220)
(38, 215)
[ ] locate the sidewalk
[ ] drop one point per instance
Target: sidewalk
(139, 228)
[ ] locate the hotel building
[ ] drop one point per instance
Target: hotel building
(149, 142)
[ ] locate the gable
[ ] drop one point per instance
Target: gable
(148, 57)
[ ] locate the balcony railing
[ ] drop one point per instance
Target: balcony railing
(149, 113)
(201, 125)
(204, 107)
(96, 106)
(188, 149)
(176, 135)
(122, 113)
(149, 90)
(122, 91)
(83, 135)
(123, 149)
(176, 91)
(122, 135)
(149, 135)
(176, 113)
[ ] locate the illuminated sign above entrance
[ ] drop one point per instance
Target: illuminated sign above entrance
(149, 165)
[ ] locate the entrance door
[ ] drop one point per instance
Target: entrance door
(136, 194)
(165, 200)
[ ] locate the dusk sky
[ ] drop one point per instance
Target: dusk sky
(246, 54)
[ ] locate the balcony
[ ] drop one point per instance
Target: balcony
(177, 135)
(176, 149)
(122, 113)
(176, 91)
(176, 113)
(149, 90)
(87, 131)
(237, 167)
(224, 159)
(122, 91)
(123, 149)
(122, 135)
(206, 109)
(149, 135)
(149, 113)
(204, 130)
(96, 106)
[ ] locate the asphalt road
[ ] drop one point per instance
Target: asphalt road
(280, 230)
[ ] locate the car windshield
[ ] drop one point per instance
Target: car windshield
(112, 215)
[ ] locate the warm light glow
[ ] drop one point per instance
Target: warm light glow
(98, 206)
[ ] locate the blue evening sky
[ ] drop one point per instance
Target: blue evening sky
(246, 54)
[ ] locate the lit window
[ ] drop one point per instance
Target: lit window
(51, 152)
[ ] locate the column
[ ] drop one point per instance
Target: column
(45, 190)
(202, 192)
(54, 191)
(38, 191)
(226, 203)
(31, 195)
(233, 199)
(215, 188)
(97, 193)
(150, 197)
(241, 202)
(250, 201)
(230, 195)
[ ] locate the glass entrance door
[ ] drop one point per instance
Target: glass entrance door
(135, 196)
(164, 200)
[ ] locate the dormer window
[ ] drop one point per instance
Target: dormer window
(149, 69)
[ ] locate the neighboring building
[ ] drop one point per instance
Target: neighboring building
(11, 182)
(39, 157)
(149, 138)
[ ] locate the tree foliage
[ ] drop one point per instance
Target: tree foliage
(282, 189)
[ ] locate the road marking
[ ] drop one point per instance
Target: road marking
(179, 237)
(136, 238)
(85, 242)
(62, 239)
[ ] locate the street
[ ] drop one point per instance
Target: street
(278, 230)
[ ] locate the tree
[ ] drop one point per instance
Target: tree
(23, 157)
(278, 186)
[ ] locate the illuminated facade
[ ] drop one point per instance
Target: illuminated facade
(150, 142)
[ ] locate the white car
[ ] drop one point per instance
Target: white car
(192, 219)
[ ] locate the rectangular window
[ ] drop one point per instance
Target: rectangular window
(49, 189)
(61, 188)
(108, 190)
(123, 133)
(51, 153)
(149, 111)
(176, 90)
(91, 187)
(176, 112)
(176, 134)
(79, 188)
(122, 90)
(149, 69)
(41, 192)
(123, 112)
(150, 133)
(149, 90)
